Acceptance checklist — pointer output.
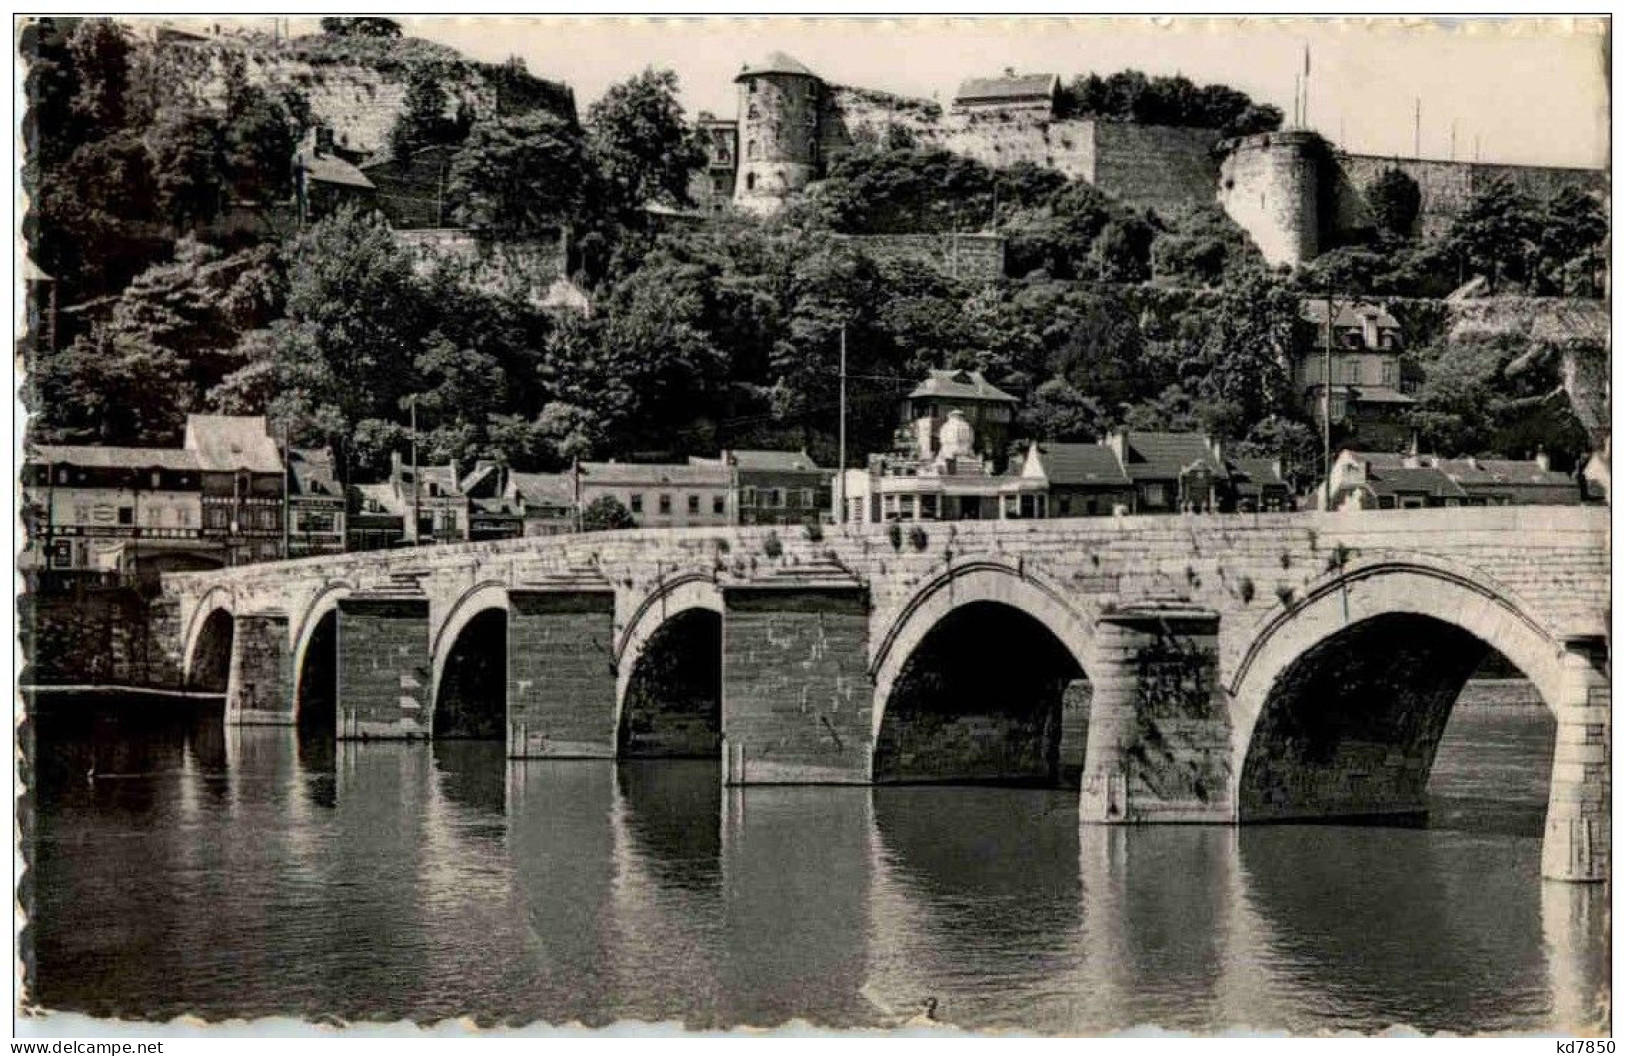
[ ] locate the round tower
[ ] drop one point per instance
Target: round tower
(779, 102)
(1270, 184)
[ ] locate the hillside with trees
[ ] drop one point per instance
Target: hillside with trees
(701, 336)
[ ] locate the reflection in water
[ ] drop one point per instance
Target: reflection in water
(245, 872)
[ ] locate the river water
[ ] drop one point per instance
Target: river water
(242, 873)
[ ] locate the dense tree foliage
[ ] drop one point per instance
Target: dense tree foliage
(519, 174)
(1395, 202)
(423, 121)
(1132, 96)
(643, 148)
(367, 26)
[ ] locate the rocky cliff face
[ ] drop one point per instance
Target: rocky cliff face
(355, 86)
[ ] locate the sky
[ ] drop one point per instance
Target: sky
(1522, 91)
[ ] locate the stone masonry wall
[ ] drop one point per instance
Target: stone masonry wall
(799, 657)
(561, 674)
(1447, 186)
(99, 636)
(384, 667)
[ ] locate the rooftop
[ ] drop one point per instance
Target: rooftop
(543, 489)
(775, 461)
(776, 62)
(1154, 456)
(230, 442)
(961, 385)
(1010, 86)
(655, 473)
(88, 457)
(312, 471)
(1080, 464)
(330, 168)
(1348, 313)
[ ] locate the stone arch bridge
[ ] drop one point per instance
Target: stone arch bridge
(1188, 669)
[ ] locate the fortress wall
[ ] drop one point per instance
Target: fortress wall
(856, 117)
(1447, 186)
(357, 99)
(1156, 165)
(1000, 139)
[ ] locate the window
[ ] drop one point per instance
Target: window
(126, 515)
(1156, 495)
(215, 517)
(750, 177)
(755, 112)
(928, 507)
(665, 505)
(637, 502)
(773, 497)
(747, 496)
(1390, 373)
(157, 479)
(719, 505)
(693, 504)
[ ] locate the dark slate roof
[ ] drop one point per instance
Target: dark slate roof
(1164, 456)
(655, 473)
(1348, 313)
(329, 168)
(961, 385)
(1393, 480)
(1260, 472)
(1379, 394)
(776, 461)
(543, 489)
(1080, 464)
(776, 62)
(228, 442)
(991, 89)
(85, 456)
(1500, 471)
(312, 472)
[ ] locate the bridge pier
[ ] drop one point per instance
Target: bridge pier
(259, 690)
(561, 674)
(384, 666)
(1577, 845)
(1159, 728)
(797, 700)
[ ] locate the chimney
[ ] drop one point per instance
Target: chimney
(1543, 460)
(1117, 440)
(1218, 449)
(1413, 456)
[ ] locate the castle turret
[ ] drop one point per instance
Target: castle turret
(1270, 184)
(779, 101)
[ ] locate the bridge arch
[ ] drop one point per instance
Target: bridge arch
(215, 600)
(673, 635)
(314, 657)
(469, 669)
(965, 616)
(1338, 704)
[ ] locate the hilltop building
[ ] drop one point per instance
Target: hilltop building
(1293, 190)
(1368, 395)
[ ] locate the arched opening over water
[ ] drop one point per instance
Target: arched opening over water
(990, 694)
(1353, 725)
(315, 704)
(211, 657)
(673, 703)
(471, 701)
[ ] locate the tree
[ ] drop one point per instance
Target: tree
(101, 59)
(1570, 245)
(1202, 245)
(1057, 411)
(1395, 201)
(519, 174)
(422, 121)
(1252, 336)
(188, 166)
(605, 513)
(642, 146)
(361, 27)
(1498, 233)
(259, 139)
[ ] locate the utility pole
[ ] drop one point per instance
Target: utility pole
(287, 469)
(840, 469)
(1416, 142)
(417, 512)
(1326, 408)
